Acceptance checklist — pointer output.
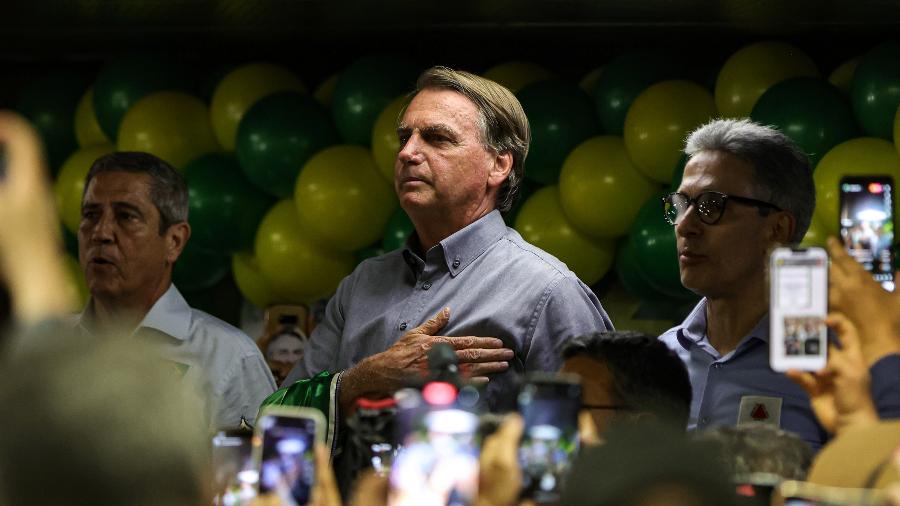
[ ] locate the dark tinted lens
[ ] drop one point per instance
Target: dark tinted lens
(710, 206)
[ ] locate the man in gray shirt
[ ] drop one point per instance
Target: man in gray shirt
(133, 228)
(506, 303)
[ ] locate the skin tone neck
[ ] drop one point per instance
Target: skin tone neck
(128, 311)
(732, 316)
(432, 228)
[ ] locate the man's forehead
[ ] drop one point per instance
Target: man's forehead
(439, 107)
(717, 170)
(135, 185)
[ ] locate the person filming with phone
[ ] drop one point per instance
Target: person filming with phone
(746, 190)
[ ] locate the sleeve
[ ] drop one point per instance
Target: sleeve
(567, 309)
(886, 386)
(248, 385)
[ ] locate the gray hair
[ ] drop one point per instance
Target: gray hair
(781, 168)
(168, 189)
(504, 126)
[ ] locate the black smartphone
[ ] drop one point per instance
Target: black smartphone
(284, 451)
(549, 404)
(867, 224)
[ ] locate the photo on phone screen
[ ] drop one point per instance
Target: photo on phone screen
(284, 446)
(549, 405)
(867, 224)
(798, 305)
(234, 472)
(438, 462)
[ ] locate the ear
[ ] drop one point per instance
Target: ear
(176, 238)
(500, 169)
(782, 227)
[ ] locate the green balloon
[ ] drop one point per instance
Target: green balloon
(225, 209)
(369, 252)
(630, 276)
(678, 174)
(811, 111)
(70, 242)
(123, 82)
(655, 251)
(526, 189)
(364, 89)
(561, 117)
(49, 103)
(398, 229)
(197, 269)
(623, 79)
(875, 90)
(222, 300)
(278, 135)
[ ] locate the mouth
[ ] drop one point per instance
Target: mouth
(101, 262)
(687, 257)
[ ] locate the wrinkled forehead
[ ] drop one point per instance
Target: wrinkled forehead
(438, 106)
(718, 171)
(132, 187)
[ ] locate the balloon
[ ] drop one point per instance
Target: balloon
(600, 188)
(542, 223)
(842, 76)
(385, 144)
(862, 156)
(816, 234)
(296, 267)
(589, 82)
(278, 135)
(658, 122)
(250, 281)
(197, 268)
(169, 124)
(679, 174)
(69, 185)
(222, 300)
(369, 252)
(240, 89)
(628, 312)
(516, 75)
(753, 69)
(76, 286)
(325, 91)
(655, 250)
(875, 89)
(87, 129)
(341, 198)
(364, 89)
(122, 83)
(526, 189)
(225, 209)
(623, 79)
(70, 242)
(50, 103)
(561, 118)
(630, 276)
(809, 110)
(397, 231)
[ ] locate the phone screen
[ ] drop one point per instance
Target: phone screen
(867, 224)
(438, 462)
(549, 408)
(287, 458)
(799, 303)
(233, 470)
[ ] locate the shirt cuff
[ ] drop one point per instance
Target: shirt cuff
(886, 386)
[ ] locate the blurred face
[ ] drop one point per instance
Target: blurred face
(123, 256)
(729, 256)
(442, 166)
(286, 348)
(597, 393)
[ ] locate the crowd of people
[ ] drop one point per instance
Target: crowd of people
(114, 405)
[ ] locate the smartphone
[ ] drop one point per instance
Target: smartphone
(549, 404)
(234, 473)
(798, 281)
(867, 224)
(437, 463)
(284, 451)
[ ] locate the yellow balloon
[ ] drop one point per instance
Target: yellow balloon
(658, 121)
(816, 234)
(842, 76)
(864, 156)
(541, 222)
(69, 185)
(600, 188)
(250, 281)
(342, 199)
(622, 308)
(294, 266)
(385, 143)
(753, 69)
(87, 130)
(76, 286)
(169, 124)
(516, 75)
(242, 88)
(325, 91)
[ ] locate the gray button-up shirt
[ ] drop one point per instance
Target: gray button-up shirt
(221, 360)
(494, 282)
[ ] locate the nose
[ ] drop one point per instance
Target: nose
(410, 153)
(103, 230)
(689, 224)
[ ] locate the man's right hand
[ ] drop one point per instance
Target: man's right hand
(383, 373)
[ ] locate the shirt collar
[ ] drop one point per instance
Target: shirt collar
(693, 329)
(170, 314)
(465, 245)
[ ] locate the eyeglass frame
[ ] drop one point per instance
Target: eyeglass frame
(760, 204)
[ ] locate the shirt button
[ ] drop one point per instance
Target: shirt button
(426, 286)
(455, 263)
(403, 326)
(717, 366)
(704, 420)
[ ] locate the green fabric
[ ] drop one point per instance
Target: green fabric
(312, 392)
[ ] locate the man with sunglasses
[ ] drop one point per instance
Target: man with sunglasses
(746, 189)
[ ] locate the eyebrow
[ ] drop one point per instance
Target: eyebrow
(118, 205)
(438, 128)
